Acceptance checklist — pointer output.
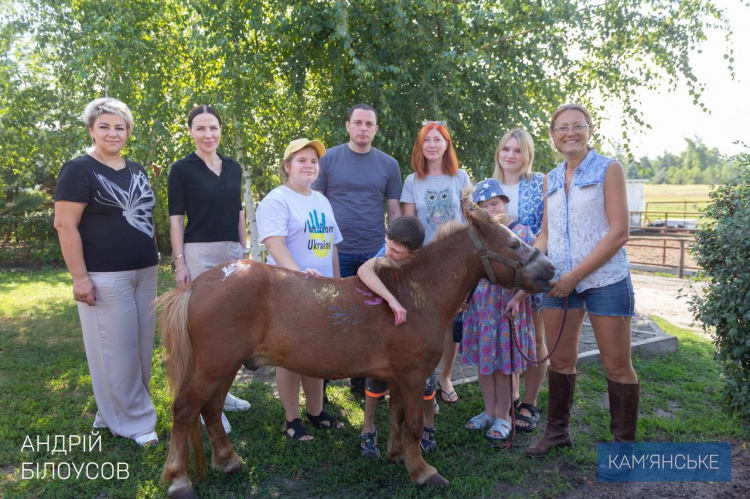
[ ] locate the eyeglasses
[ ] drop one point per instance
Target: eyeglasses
(574, 128)
(438, 123)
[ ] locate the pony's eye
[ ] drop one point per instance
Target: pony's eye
(515, 244)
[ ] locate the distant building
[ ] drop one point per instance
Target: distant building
(636, 201)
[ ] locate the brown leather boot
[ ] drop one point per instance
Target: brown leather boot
(623, 410)
(561, 389)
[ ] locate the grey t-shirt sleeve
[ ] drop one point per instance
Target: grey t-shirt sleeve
(407, 195)
(321, 183)
(393, 188)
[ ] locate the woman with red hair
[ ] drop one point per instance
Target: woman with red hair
(433, 194)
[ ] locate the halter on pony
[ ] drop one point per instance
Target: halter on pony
(485, 255)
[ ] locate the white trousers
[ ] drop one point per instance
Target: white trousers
(118, 335)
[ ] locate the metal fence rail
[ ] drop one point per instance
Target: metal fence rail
(680, 246)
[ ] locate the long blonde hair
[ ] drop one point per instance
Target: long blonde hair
(526, 144)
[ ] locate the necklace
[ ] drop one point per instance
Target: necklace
(100, 160)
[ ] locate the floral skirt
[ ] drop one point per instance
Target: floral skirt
(486, 339)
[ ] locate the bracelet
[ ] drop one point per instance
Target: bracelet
(176, 258)
(81, 281)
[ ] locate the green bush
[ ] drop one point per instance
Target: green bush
(722, 249)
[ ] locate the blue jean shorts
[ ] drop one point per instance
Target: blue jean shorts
(614, 300)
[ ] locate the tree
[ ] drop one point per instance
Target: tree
(280, 69)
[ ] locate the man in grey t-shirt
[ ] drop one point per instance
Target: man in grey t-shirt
(357, 178)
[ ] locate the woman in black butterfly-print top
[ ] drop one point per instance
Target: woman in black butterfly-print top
(103, 216)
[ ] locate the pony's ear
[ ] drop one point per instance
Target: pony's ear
(471, 219)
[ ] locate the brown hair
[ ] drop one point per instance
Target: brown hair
(201, 110)
(450, 161)
(406, 230)
(570, 107)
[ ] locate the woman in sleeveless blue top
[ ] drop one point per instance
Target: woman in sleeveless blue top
(584, 230)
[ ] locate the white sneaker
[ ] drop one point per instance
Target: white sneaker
(98, 423)
(224, 423)
(233, 403)
(147, 440)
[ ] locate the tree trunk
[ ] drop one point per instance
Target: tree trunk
(252, 225)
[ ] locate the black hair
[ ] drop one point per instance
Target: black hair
(200, 110)
(406, 230)
(365, 107)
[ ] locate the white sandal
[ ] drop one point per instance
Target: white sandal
(147, 440)
(480, 421)
(500, 426)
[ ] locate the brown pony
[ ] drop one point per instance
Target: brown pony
(246, 312)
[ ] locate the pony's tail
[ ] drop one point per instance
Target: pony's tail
(196, 440)
(176, 338)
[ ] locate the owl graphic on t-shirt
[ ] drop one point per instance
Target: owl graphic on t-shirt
(440, 206)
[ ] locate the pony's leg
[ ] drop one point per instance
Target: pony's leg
(185, 425)
(396, 447)
(419, 471)
(223, 456)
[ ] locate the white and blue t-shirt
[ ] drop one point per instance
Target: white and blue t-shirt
(307, 223)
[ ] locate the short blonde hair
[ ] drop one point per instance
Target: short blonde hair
(107, 105)
(526, 144)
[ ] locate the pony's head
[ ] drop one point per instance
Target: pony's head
(508, 260)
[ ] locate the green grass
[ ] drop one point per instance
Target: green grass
(46, 390)
(673, 196)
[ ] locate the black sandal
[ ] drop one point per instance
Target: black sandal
(533, 420)
(321, 419)
(427, 443)
(299, 430)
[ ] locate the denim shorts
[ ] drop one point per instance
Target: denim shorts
(614, 300)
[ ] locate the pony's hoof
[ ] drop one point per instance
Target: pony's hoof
(234, 465)
(436, 480)
(184, 493)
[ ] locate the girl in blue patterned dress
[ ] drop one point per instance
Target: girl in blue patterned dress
(486, 339)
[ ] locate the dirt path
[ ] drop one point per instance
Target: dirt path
(663, 296)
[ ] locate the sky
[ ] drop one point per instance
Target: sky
(673, 116)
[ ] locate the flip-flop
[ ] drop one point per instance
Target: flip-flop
(449, 397)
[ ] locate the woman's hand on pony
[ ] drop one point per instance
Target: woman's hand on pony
(314, 272)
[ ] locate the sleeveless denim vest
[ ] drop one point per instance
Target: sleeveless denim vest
(531, 202)
(576, 223)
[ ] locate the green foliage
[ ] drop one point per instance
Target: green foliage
(722, 249)
(281, 69)
(697, 164)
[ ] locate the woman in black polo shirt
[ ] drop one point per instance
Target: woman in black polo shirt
(206, 186)
(103, 216)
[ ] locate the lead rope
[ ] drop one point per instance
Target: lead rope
(515, 343)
